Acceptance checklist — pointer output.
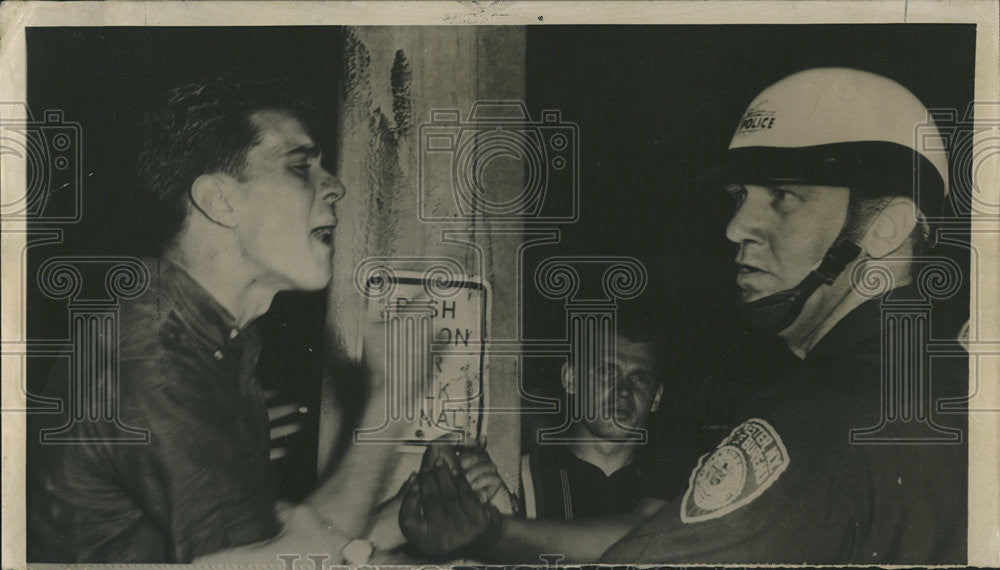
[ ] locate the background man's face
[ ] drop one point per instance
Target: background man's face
(285, 205)
(625, 389)
(783, 233)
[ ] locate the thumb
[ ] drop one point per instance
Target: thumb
(409, 508)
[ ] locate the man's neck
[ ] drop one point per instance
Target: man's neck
(226, 280)
(801, 340)
(805, 333)
(608, 456)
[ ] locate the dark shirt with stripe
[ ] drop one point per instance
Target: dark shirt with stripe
(565, 487)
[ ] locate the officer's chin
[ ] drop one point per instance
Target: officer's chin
(750, 294)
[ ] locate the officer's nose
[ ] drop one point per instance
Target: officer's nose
(748, 223)
(330, 188)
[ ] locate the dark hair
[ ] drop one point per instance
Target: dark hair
(648, 320)
(199, 128)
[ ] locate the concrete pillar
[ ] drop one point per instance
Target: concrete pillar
(392, 79)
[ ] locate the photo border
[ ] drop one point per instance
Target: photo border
(984, 428)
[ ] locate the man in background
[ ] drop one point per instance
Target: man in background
(588, 486)
(597, 470)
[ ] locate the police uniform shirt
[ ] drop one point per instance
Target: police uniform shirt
(789, 486)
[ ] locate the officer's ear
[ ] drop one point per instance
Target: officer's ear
(210, 194)
(891, 228)
(568, 378)
(656, 399)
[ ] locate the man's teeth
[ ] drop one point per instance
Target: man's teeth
(324, 235)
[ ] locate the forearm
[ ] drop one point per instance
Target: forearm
(580, 541)
(385, 533)
(348, 497)
(304, 533)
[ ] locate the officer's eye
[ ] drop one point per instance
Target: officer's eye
(737, 194)
(300, 168)
(783, 198)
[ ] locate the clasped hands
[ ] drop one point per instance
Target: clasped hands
(446, 510)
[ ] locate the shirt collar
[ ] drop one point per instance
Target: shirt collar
(563, 457)
(859, 326)
(195, 307)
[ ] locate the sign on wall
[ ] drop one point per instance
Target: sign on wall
(436, 371)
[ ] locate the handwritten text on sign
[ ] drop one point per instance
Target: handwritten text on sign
(453, 396)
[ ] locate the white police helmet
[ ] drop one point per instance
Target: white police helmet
(842, 127)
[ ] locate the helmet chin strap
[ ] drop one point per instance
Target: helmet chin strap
(776, 312)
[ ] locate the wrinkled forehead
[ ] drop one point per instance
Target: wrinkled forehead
(280, 133)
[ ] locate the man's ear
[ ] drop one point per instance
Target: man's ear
(656, 399)
(891, 228)
(568, 379)
(210, 194)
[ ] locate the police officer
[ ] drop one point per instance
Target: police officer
(831, 183)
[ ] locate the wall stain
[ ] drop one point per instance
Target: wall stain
(356, 84)
(402, 109)
(385, 178)
(381, 175)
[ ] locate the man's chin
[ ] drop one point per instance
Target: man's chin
(321, 275)
(754, 286)
(322, 283)
(625, 431)
(619, 428)
(315, 282)
(750, 295)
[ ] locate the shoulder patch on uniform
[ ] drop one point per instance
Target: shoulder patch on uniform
(742, 467)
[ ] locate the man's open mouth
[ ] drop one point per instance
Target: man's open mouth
(324, 234)
(748, 269)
